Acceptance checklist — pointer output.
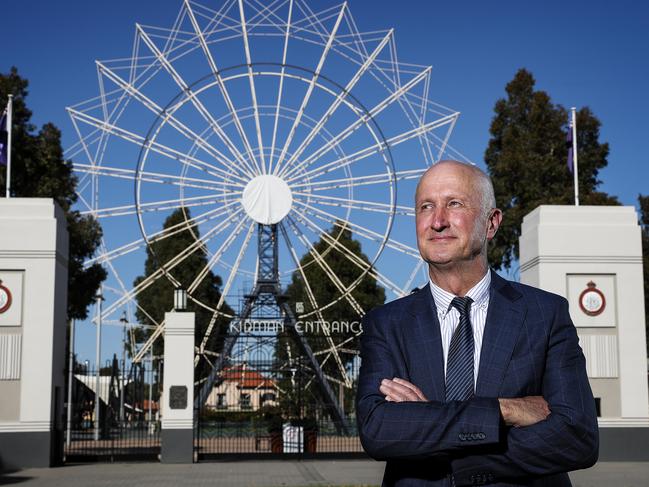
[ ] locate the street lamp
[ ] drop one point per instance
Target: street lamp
(124, 321)
(180, 299)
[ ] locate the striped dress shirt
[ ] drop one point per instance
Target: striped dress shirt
(449, 317)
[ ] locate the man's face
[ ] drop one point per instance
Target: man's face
(451, 225)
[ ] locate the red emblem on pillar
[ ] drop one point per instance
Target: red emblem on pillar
(5, 298)
(592, 300)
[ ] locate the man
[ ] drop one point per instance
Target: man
(473, 379)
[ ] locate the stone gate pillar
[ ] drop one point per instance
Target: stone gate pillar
(178, 389)
(592, 255)
(33, 309)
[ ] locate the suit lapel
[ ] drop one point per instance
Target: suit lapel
(504, 321)
(428, 343)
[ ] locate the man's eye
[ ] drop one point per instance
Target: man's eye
(426, 206)
(454, 203)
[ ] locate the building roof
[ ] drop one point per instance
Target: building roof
(247, 378)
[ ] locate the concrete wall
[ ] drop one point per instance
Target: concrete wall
(33, 264)
(570, 251)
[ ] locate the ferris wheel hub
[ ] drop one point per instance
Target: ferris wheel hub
(267, 199)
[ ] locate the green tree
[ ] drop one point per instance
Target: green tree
(157, 298)
(368, 294)
(38, 170)
(644, 223)
(527, 160)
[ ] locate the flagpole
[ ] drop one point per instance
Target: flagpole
(575, 170)
(9, 112)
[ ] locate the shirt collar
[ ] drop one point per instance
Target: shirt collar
(479, 293)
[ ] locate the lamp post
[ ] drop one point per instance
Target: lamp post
(70, 378)
(180, 299)
(99, 298)
(122, 381)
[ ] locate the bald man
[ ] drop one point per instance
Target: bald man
(473, 379)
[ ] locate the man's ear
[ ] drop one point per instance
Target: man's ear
(493, 224)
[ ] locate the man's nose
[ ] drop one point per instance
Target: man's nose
(439, 219)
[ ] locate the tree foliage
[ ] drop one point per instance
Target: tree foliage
(38, 170)
(527, 160)
(368, 294)
(157, 299)
(644, 223)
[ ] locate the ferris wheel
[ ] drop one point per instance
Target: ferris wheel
(245, 114)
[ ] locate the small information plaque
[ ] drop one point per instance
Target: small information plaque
(178, 397)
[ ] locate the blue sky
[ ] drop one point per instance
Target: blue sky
(583, 53)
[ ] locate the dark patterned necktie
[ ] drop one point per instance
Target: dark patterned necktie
(459, 364)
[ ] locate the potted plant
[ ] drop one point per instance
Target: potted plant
(275, 423)
(310, 428)
(310, 434)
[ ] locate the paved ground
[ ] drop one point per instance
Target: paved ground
(271, 473)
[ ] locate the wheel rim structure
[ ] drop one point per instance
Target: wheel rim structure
(248, 113)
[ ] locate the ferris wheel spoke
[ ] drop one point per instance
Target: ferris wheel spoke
(155, 146)
(168, 115)
(300, 268)
(227, 243)
(377, 148)
(82, 141)
(444, 142)
(339, 99)
(360, 230)
(83, 200)
(172, 263)
(413, 274)
(154, 206)
(158, 178)
(122, 289)
(217, 73)
(353, 257)
(281, 86)
(344, 291)
(396, 95)
(150, 341)
(312, 20)
(311, 297)
(195, 101)
(316, 75)
(251, 82)
(355, 181)
(226, 288)
(264, 12)
(358, 204)
(160, 235)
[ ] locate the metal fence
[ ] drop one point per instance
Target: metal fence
(114, 415)
(268, 403)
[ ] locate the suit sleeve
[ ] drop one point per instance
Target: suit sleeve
(413, 430)
(567, 440)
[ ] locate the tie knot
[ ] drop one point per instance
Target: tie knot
(463, 305)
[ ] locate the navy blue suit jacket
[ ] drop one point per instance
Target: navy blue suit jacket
(530, 347)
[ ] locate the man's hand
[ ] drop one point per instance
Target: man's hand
(524, 411)
(399, 390)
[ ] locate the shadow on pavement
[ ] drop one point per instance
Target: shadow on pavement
(4, 480)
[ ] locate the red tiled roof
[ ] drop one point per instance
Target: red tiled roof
(247, 377)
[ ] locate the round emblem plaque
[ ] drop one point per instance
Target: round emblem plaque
(5, 298)
(592, 300)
